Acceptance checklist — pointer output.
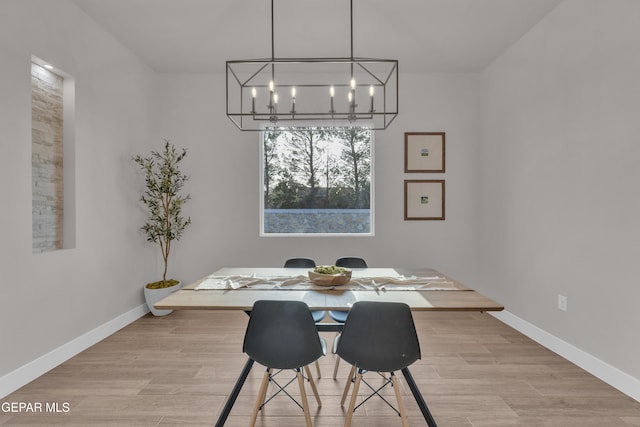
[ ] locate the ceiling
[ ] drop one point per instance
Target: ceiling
(198, 36)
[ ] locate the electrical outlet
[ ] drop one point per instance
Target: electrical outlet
(562, 302)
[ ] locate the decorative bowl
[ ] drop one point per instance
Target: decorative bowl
(323, 279)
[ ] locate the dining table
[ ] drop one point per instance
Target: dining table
(238, 288)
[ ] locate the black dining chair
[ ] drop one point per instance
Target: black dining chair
(318, 315)
(347, 262)
(302, 262)
(351, 262)
(378, 337)
(299, 262)
(341, 316)
(281, 335)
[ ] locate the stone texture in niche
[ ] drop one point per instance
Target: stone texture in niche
(46, 159)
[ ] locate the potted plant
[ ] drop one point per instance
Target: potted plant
(163, 199)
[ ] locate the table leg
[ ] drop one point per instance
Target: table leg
(234, 393)
(419, 399)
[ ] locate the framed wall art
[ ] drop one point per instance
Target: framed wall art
(424, 152)
(424, 199)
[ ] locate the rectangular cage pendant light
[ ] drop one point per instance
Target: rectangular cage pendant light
(326, 91)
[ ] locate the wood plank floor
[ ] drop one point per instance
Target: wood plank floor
(178, 370)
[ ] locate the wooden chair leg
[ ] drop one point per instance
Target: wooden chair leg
(335, 369)
(303, 397)
(335, 349)
(318, 369)
(352, 402)
(313, 385)
(261, 396)
(396, 388)
(347, 385)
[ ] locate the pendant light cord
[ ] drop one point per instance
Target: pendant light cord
(351, 12)
(273, 55)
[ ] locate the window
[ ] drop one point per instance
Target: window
(317, 181)
(52, 166)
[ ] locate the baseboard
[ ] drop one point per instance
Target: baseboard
(602, 370)
(32, 370)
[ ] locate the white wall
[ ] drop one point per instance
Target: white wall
(541, 181)
(51, 298)
(224, 166)
(560, 178)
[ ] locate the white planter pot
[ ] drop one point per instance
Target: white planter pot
(152, 296)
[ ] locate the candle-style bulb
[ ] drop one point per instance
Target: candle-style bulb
(371, 110)
(353, 83)
(350, 97)
(293, 100)
(332, 92)
(271, 86)
(254, 93)
(275, 98)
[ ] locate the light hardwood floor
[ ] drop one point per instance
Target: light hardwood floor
(178, 370)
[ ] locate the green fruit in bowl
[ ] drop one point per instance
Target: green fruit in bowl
(329, 269)
(330, 275)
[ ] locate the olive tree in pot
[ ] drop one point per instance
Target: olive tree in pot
(163, 199)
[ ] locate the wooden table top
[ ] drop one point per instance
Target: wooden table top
(461, 299)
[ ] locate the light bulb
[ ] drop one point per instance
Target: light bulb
(293, 92)
(371, 90)
(353, 83)
(332, 91)
(271, 86)
(254, 92)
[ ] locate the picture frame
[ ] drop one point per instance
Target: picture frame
(424, 152)
(424, 199)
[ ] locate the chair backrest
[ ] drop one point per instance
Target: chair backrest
(379, 336)
(351, 262)
(299, 263)
(282, 335)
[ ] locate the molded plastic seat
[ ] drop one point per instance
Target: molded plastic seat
(283, 335)
(379, 337)
(351, 262)
(318, 315)
(338, 316)
(300, 262)
(341, 316)
(347, 262)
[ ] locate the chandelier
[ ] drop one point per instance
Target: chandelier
(327, 91)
